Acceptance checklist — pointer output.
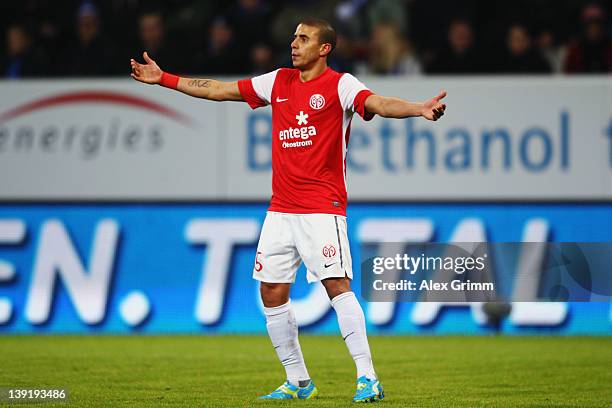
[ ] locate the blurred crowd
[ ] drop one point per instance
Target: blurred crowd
(58, 38)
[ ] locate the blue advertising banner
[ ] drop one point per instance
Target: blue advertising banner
(186, 268)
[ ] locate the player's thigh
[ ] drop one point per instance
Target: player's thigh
(322, 242)
(277, 258)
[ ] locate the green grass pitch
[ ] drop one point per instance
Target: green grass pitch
(231, 371)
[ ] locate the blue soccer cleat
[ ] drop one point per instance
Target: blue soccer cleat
(308, 392)
(368, 390)
(285, 391)
(290, 391)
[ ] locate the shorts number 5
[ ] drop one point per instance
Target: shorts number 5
(258, 265)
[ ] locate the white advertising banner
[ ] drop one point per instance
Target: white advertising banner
(502, 138)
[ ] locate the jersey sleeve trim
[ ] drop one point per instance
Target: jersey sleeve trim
(360, 108)
(249, 95)
(353, 94)
(263, 84)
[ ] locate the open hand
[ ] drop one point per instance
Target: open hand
(149, 73)
(433, 109)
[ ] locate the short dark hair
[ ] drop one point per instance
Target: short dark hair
(327, 33)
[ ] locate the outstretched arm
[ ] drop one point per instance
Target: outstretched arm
(151, 73)
(387, 107)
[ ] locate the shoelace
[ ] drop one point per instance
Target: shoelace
(282, 389)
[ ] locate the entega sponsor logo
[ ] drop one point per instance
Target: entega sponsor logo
(297, 133)
(303, 133)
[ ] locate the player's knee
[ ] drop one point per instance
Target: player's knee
(336, 286)
(274, 294)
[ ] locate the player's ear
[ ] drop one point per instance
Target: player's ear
(325, 49)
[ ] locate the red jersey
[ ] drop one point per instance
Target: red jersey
(311, 123)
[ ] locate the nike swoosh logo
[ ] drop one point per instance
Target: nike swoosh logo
(344, 338)
(281, 100)
(327, 266)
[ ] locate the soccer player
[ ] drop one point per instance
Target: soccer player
(312, 107)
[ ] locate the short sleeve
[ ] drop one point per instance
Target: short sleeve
(353, 95)
(257, 91)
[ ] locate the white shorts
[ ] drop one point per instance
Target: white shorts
(320, 240)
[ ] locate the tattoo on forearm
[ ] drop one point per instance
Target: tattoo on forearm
(200, 83)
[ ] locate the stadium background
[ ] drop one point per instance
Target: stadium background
(132, 209)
